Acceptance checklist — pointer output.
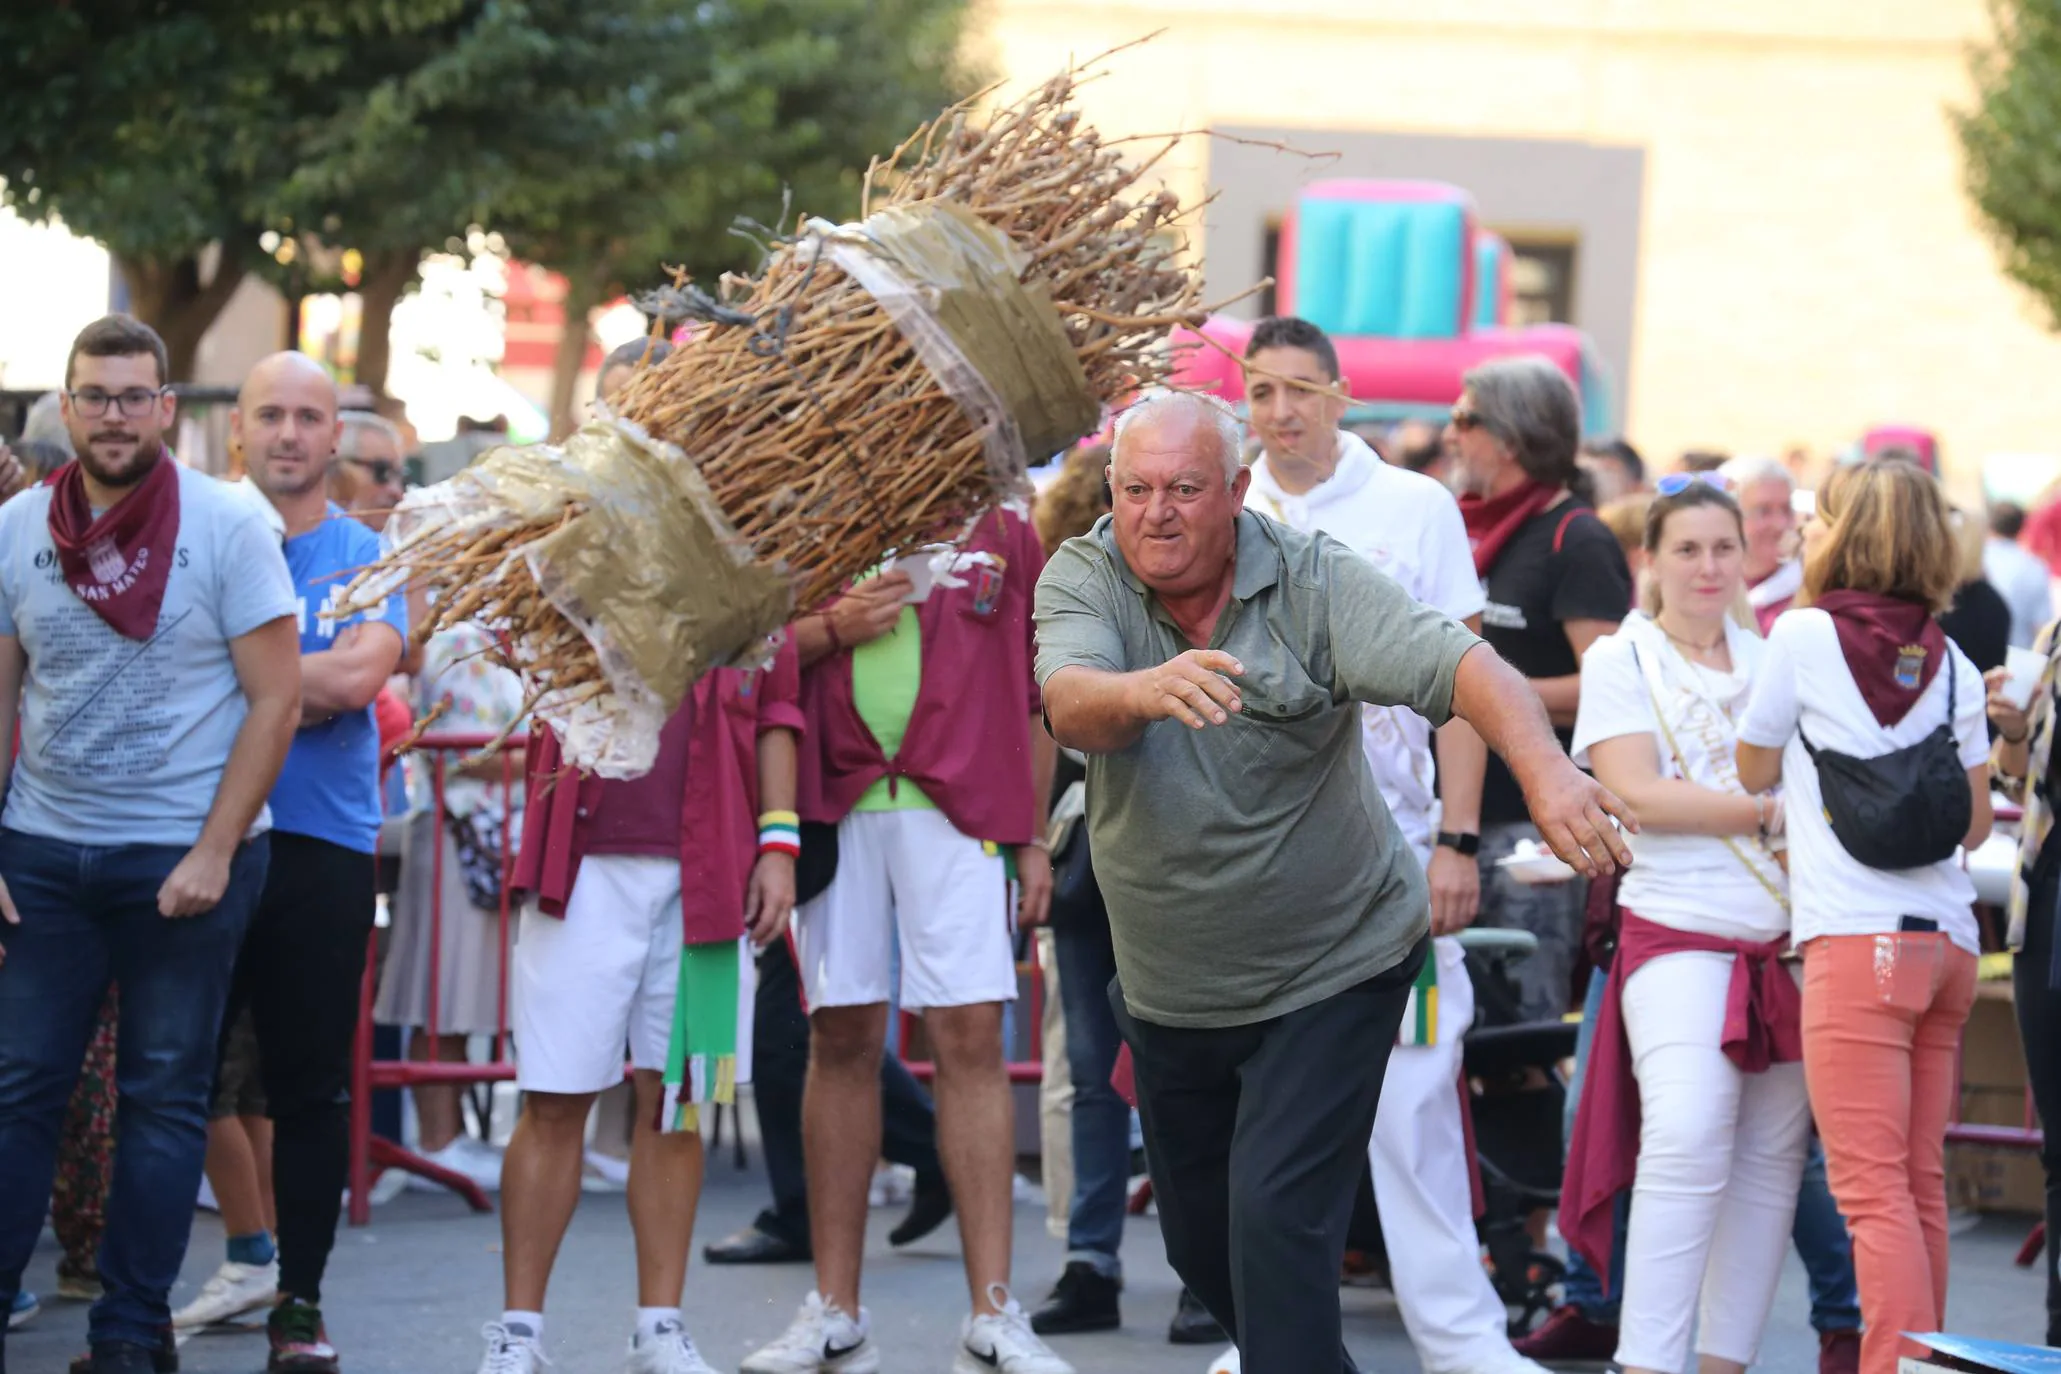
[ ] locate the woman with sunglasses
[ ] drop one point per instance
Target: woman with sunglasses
(1873, 720)
(1709, 1133)
(1555, 582)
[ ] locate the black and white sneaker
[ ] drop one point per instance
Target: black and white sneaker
(822, 1340)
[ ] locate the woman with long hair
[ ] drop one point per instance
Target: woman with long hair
(1701, 1110)
(1873, 720)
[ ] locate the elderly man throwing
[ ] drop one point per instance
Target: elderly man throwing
(1268, 918)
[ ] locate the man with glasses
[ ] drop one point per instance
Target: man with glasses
(367, 477)
(147, 651)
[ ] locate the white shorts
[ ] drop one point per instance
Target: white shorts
(605, 975)
(909, 874)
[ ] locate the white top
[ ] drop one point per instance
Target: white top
(1689, 882)
(2022, 578)
(1409, 526)
(124, 740)
(1803, 678)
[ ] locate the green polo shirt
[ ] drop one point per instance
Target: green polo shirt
(1251, 868)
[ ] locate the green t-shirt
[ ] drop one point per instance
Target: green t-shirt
(1252, 868)
(886, 676)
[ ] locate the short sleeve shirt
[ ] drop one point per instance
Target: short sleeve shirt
(1252, 868)
(1803, 687)
(1563, 564)
(329, 786)
(128, 738)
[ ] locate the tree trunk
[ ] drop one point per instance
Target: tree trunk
(168, 295)
(582, 294)
(386, 276)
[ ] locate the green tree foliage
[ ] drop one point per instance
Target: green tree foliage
(600, 137)
(2012, 140)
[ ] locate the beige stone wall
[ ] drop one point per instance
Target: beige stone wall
(1809, 264)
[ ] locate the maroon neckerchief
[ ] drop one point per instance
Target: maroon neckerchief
(118, 563)
(1491, 520)
(1892, 647)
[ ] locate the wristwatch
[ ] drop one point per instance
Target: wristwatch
(1467, 845)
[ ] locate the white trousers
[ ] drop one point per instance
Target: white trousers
(1720, 1158)
(1426, 1199)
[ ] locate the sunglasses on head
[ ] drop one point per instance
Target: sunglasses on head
(1675, 483)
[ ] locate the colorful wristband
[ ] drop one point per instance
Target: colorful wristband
(780, 833)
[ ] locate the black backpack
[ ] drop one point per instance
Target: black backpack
(1908, 808)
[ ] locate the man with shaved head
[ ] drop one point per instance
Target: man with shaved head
(147, 652)
(304, 955)
(1268, 917)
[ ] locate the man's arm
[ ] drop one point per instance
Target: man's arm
(1571, 809)
(1100, 712)
(1562, 695)
(1454, 877)
(1033, 861)
(769, 900)
(13, 663)
(268, 668)
(348, 675)
(860, 616)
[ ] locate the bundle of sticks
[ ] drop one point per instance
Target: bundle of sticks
(806, 420)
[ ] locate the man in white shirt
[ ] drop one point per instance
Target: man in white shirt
(2017, 573)
(1314, 476)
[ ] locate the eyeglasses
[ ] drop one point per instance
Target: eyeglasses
(379, 470)
(1675, 483)
(92, 402)
(1464, 420)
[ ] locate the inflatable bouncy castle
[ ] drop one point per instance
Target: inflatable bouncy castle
(1412, 291)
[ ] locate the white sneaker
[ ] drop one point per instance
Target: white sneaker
(1227, 1363)
(230, 1291)
(669, 1351)
(1003, 1341)
(823, 1340)
(508, 1353)
(461, 1156)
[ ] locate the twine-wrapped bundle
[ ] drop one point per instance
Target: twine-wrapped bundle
(876, 388)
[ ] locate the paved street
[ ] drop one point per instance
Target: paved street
(407, 1295)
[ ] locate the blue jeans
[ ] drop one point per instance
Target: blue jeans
(1101, 1119)
(1819, 1232)
(1826, 1249)
(89, 918)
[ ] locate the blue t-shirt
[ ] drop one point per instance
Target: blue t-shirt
(329, 788)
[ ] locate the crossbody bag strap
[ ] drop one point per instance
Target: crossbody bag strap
(1649, 674)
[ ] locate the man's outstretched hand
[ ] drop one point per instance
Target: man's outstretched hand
(1573, 813)
(1194, 688)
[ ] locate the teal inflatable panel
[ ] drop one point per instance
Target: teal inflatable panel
(1391, 269)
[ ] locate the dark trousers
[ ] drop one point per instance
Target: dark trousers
(2039, 1027)
(1101, 1120)
(1256, 1136)
(299, 973)
(89, 918)
(780, 1070)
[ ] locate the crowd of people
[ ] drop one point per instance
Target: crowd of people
(1225, 667)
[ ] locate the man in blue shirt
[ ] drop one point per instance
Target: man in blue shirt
(304, 957)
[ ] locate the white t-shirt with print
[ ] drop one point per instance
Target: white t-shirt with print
(1803, 679)
(1409, 526)
(1690, 882)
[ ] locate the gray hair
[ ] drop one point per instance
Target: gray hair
(1750, 470)
(1529, 404)
(356, 422)
(1161, 401)
(46, 423)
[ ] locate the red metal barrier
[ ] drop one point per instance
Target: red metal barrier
(370, 1155)
(2024, 1136)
